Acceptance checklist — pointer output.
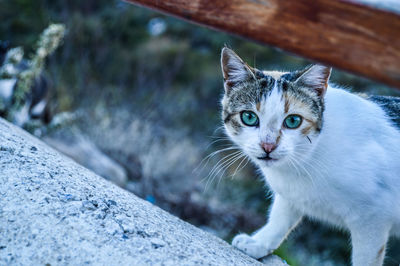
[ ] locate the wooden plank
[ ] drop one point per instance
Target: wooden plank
(342, 33)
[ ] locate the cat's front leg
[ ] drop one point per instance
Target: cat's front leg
(369, 239)
(282, 219)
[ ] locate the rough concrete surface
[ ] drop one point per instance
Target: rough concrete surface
(55, 212)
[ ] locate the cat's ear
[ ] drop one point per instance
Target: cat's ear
(234, 69)
(315, 77)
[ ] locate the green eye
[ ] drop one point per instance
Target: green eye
(249, 118)
(292, 121)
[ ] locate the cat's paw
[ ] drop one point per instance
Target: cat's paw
(251, 247)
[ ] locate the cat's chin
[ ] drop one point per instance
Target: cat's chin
(267, 161)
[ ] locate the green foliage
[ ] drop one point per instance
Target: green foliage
(48, 42)
(284, 253)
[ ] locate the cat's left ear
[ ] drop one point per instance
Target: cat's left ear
(234, 69)
(315, 77)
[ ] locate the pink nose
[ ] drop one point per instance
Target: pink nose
(268, 147)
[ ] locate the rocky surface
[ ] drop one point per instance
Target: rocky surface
(55, 212)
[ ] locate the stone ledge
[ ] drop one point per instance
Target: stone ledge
(55, 212)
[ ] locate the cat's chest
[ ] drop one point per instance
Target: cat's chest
(307, 196)
(291, 185)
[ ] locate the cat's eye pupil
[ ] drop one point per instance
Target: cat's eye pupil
(292, 121)
(249, 118)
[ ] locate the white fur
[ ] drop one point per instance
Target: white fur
(349, 176)
(38, 109)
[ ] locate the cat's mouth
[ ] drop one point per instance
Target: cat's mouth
(267, 158)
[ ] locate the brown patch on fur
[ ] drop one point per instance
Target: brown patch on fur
(313, 124)
(286, 105)
(258, 105)
(278, 138)
(305, 131)
(291, 100)
(381, 250)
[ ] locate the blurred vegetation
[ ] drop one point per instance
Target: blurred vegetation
(147, 88)
(31, 70)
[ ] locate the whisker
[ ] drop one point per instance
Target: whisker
(227, 166)
(317, 170)
(208, 157)
(222, 165)
(215, 141)
(223, 168)
(218, 165)
(236, 170)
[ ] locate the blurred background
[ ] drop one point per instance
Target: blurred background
(134, 96)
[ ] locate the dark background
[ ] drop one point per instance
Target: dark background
(146, 88)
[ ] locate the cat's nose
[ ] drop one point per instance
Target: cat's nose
(268, 147)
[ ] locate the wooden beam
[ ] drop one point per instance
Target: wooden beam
(342, 33)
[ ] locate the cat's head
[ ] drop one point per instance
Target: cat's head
(272, 116)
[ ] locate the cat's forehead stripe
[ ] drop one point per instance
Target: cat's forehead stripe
(287, 104)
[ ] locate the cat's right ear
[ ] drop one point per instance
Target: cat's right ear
(315, 77)
(234, 69)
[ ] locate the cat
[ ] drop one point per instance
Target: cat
(325, 153)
